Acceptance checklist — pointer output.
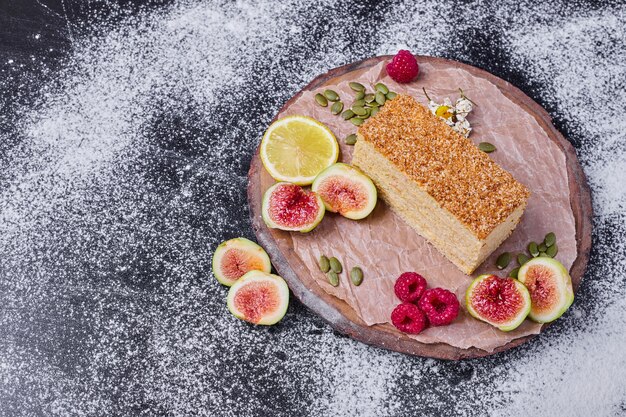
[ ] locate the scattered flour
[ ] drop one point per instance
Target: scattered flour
(132, 167)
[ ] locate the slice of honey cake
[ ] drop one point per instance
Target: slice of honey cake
(439, 182)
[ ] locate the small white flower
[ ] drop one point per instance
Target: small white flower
(463, 127)
(461, 108)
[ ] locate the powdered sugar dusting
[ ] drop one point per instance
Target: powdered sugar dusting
(131, 167)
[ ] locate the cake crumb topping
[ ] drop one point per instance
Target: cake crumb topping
(460, 177)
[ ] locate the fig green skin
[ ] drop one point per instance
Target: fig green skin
(303, 228)
(515, 321)
(564, 285)
(353, 174)
(242, 244)
(259, 276)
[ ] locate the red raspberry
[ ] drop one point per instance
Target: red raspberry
(440, 306)
(409, 287)
(408, 318)
(403, 68)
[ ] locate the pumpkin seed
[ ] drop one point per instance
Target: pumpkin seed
(382, 88)
(356, 121)
(486, 147)
(324, 264)
(333, 278)
(356, 86)
(351, 139)
(331, 95)
(356, 275)
(348, 114)
(337, 107)
(532, 248)
(542, 247)
(358, 103)
(391, 95)
(372, 104)
(514, 272)
(552, 251)
(503, 260)
(550, 239)
(359, 110)
(380, 98)
(374, 111)
(366, 115)
(543, 255)
(369, 97)
(522, 259)
(335, 265)
(321, 100)
(360, 95)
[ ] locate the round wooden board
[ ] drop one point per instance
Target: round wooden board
(337, 312)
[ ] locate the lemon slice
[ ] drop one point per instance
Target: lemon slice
(297, 148)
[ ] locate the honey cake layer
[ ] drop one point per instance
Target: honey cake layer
(461, 178)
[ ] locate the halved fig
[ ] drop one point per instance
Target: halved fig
(259, 298)
(550, 288)
(288, 206)
(346, 190)
(233, 258)
(501, 302)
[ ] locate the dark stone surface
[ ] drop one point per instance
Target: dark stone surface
(107, 306)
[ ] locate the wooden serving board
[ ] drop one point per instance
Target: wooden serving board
(336, 311)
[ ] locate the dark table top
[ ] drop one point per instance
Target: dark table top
(126, 132)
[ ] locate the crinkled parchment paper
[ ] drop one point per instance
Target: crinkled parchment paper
(384, 246)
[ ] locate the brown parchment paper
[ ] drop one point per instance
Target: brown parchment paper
(384, 246)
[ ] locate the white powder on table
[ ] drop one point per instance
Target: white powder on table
(106, 227)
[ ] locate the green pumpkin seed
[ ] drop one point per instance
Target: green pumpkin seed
(382, 88)
(358, 103)
(542, 247)
(369, 97)
(356, 86)
(552, 251)
(333, 278)
(532, 248)
(335, 265)
(380, 98)
(324, 264)
(359, 110)
(356, 275)
(360, 95)
(372, 104)
(348, 114)
(331, 95)
(391, 95)
(486, 147)
(356, 121)
(337, 107)
(321, 100)
(522, 259)
(351, 139)
(550, 239)
(543, 255)
(366, 115)
(374, 111)
(514, 272)
(503, 260)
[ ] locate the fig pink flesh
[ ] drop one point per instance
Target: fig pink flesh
(292, 206)
(235, 263)
(497, 299)
(542, 288)
(256, 299)
(342, 194)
